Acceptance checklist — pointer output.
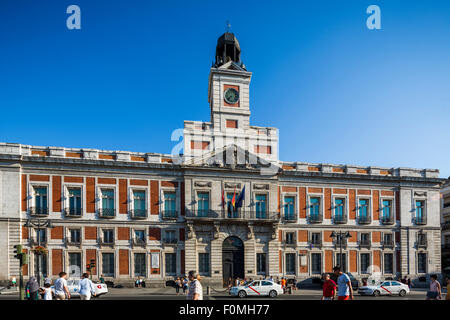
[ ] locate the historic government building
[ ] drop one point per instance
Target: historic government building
(225, 205)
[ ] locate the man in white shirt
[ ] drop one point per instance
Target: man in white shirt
(61, 289)
(195, 287)
(86, 287)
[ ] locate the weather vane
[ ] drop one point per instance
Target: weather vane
(228, 26)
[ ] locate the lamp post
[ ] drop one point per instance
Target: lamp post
(39, 224)
(340, 235)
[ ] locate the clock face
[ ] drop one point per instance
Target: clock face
(231, 96)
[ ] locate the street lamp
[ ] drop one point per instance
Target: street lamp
(39, 224)
(340, 235)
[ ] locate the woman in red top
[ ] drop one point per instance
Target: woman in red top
(329, 288)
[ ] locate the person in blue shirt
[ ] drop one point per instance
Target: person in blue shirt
(86, 287)
(345, 290)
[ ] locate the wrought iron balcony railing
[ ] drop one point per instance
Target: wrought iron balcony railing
(107, 213)
(170, 240)
(138, 213)
(73, 212)
(340, 218)
(38, 211)
(365, 244)
(315, 244)
(289, 217)
(315, 218)
(420, 220)
(387, 219)
(73, 242)
(34, 241)
(337, 243)
(106, 242)
(169, 214)
(388, 244)
(364, 220)
(233, 215)
(139, 242)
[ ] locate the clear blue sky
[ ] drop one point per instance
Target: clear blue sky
(339, 93)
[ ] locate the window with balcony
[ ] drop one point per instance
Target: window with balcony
(108, 264)
(139, 236)
(363, 211)
(290, 263)
(170, 204)
(339, 210)
(203, 264)
(108, 236)
(260, 206)
(170, 236)
(107, 202)
(388, 240)
(171, 263)
(75, 235)
(40, 201)
(386, 212)
(364, 240)
(316, 239)
(290, 238)
(420, 212)
(388, 263)
(140, 268)
(261, 263)
(74, 208)
(365, 263)
(139, 207)
(289, 208)
(232, 212)
(314, 210)
(203, 204)
(316, 263)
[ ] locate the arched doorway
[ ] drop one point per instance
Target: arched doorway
(232, 258)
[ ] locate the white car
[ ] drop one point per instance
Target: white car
(72, 285)
(257, 288)
(385, 288)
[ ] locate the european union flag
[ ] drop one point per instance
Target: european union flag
(240, 198)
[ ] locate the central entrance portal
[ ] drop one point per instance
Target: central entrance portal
(232, 259)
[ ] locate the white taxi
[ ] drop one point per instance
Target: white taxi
(257, 288)
(73, 284)
(385, 288)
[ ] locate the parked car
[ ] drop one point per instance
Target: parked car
(385, 288)
(353, 280)
(72, 285)
(257, 288)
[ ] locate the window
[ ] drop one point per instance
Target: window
(363, 207)
(203, 204)
(388, 263)
(290, 263)
(140, 269)
(260, 206)
(139, 203)
(289, 208)
(339, 204)
(261, 263)
(75, 235)
(40, 264)
(139, 235)
(108, 236)
(365, 239)
(386, 211)
(290, 238)
(74, 265)
(365, 263)
(422, 262)
(41, 235)
(108, 264)
(342, 261)
(263, 149)
(40, 200)
(316, 263)
(420, 212)
(314, 210)
(171, 263)
(387, 238)
(232, 124)
(170, 204)
(107, 202)
(232, 212)
(74, 201)
(170, 236)
(203, 264)
(316, 238)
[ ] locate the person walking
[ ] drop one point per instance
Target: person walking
(102, 279)
(61, 289)
(32, 289)
(435, 289)
(345, 290)
(185, 284)
(48, 291)
(329, 288)
(178, 285)
(86, 287)
(237, 282)
(408, 281)
(13, 281)
(294, 283)
(195, 287)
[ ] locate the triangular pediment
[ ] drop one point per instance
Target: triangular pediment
(234, 157)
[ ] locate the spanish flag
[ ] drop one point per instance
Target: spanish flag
(233, 201)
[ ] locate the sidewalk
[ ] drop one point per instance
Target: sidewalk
(12, 290)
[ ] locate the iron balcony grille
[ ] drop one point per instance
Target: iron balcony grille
(138, 213)
(364, 220)
(139, 242)
(420, 220)
(315, 218)
(170, 240)
(106, 242)
(34, 241)
(388, 243)
(75, 242)
(338, 242)
(107, 213)
(73, 212)
(38, 211)
(387, 220)
(233, 215)
(365, 243)
(340, 219)
(169, 214)
(315, 244)
(289, 217)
